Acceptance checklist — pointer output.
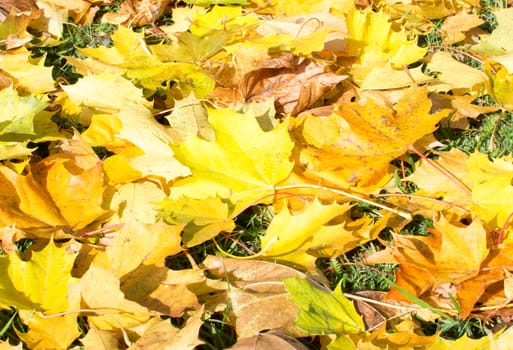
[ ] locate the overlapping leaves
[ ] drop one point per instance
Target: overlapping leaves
(159, 148)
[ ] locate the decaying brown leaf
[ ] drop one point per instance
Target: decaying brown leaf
(294, 83)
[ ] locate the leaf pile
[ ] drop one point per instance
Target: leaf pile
(174, 130)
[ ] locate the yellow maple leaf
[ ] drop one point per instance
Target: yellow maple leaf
(500, 83)
(491, 188)
(149, 66)
(431, 182)
(38, 284)
(134, 208)
(51, 196)
(24, 119)
(356, 143)
(100, 290)
(374, 41)
(243, 164)
(151, 154)
(320, 230)
(203, 218)
(29, 75)
(161, 334)
(41, 284)
(449, 73)
(48, 332)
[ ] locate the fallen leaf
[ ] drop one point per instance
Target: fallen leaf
(137, 12)
(454, 27)
(430, 181)
(486, 178)
(324, 312)
(23, 119)
(375, 42)
(405, 335)
(319, 230)
(64, 181)
(48, 332)
(101, 340)
(203, 218)
(464, 109)
(100, 292)
(499, 84)
(38, 284)
(256, 295)
(28, 74)
(163, 335)
(294, 83)
(242, 273)
(268, 341)
(161, 290)
(449, 72)
(356, 143)
(135, 210)
(189, 117)
(242, 165)
(425, 263)
(139, 127)
(498, 42)
(299, 7)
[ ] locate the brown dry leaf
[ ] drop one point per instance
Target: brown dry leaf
(269, 341)
(262, 307)
(294, 83)
(15, 16)
(454, 27)
(241, 273)
(256, 294)
(57, 12)
(137, 12)
(18, 7)
(375, 314)
(356, 143)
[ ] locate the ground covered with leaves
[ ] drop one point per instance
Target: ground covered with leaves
(252, 174)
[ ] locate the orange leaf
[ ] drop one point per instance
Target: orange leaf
(428, 263)
(357, 142)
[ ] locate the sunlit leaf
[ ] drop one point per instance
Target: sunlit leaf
(323, 312)
(242, 165)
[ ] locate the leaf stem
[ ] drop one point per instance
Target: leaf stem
(350, 195)
(444, 172)
(440, 201)
(503, 228)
